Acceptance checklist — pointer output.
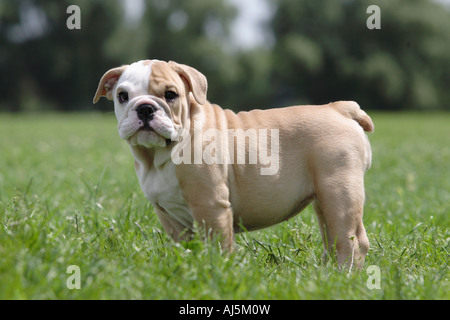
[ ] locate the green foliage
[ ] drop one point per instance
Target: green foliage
(62, 67)
(322, 51)
(69, 196)
(326, 53)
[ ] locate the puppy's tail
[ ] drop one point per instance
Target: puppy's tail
(351, 109)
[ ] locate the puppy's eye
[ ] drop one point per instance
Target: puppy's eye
(122, 97)
(170, 96)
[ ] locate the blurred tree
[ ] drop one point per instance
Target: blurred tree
(48, 65)
(325, 52)
(44, 65)
(190, 32)
(252, 87)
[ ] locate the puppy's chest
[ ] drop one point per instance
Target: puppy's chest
(161, 187)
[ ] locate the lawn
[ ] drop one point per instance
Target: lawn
(69, 197)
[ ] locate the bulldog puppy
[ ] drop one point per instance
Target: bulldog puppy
(199, 164)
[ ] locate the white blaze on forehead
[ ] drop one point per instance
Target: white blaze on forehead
(135, 81)
(136, 78)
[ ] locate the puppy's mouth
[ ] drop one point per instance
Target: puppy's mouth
(148, 132)
(146, 127)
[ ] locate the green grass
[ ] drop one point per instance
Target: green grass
(69, 196)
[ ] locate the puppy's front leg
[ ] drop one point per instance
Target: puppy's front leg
(215, 220)
(171, 226)
(207, 195)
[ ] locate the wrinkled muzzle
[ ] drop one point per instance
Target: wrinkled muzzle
(147, 121)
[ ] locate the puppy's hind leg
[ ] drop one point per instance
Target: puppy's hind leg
(323, 230)
(339, 210)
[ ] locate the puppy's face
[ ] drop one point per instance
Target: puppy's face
(151, 99)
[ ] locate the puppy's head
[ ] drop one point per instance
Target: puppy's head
(152, 99)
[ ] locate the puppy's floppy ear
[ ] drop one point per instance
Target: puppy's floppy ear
(196, 80)
(107, 83)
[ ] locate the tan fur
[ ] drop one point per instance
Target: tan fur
(323, 154)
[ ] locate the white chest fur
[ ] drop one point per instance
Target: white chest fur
(161, 187)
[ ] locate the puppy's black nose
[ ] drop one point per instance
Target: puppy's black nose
(145, 112)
